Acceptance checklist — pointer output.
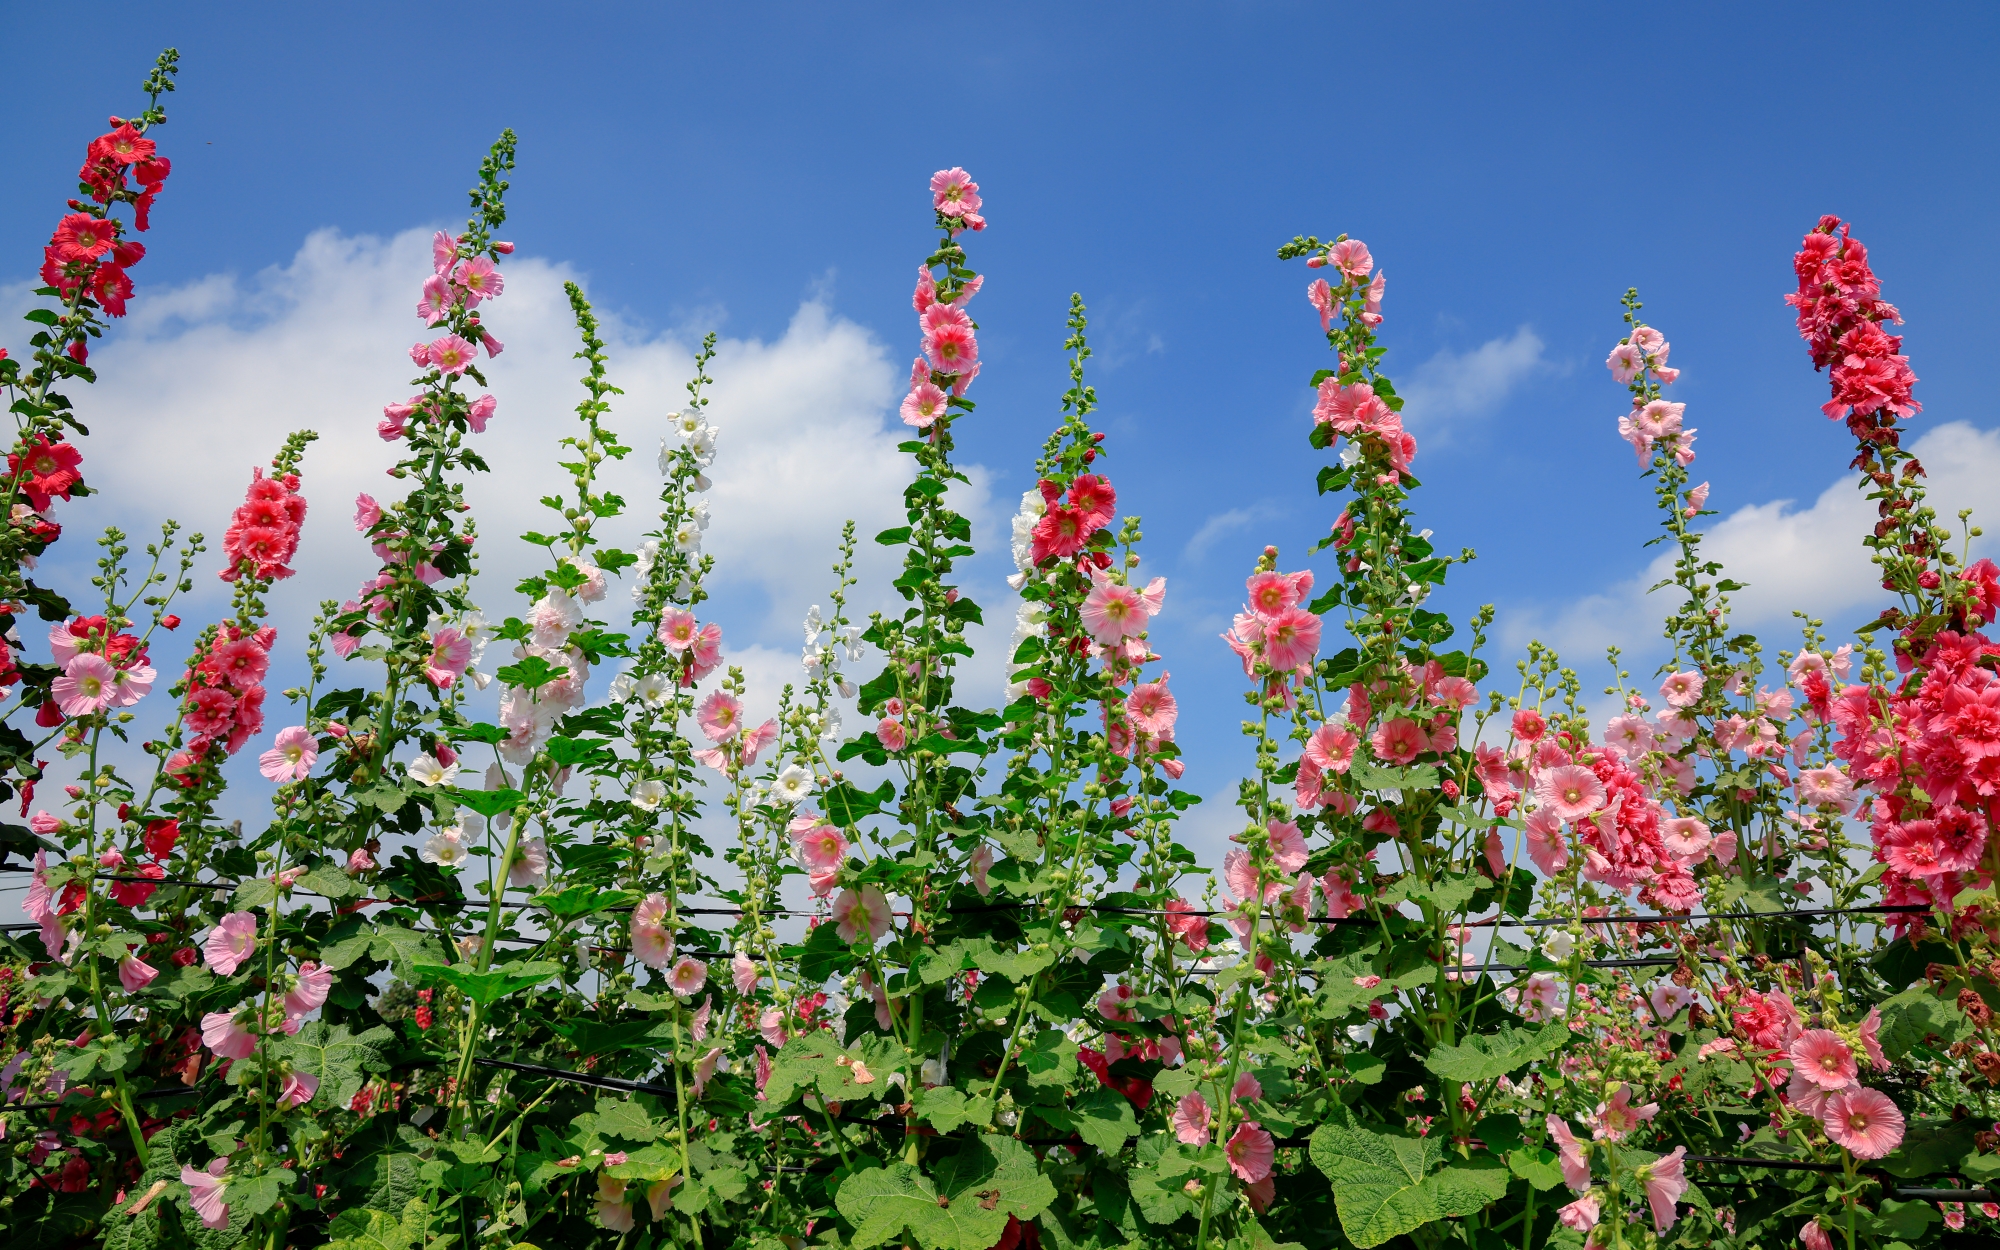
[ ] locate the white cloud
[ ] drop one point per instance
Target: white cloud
(1809, 559)
(205, 380)
(1220, 526)
(1471, 384)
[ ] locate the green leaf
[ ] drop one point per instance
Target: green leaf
(947, 1108)
(256, 892)
(894, 537)
(329, 880)
(1104, 1119)
(962, 1205)
(257, 1194)
(846, 805)
(1385, 1186)
(530, 674)
(1537, 1167)
(369, 1229)
(1369, 777)
(584, 900)
(486, 988)
(1917, 1013)
(488, 803)
(1484, 1056)
(1931, 1147)
(617, 1118)
(1447, 895)
(405, 950)
(340, 1059)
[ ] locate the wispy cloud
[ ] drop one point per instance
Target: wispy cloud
(1220, 526)
(1454, 385)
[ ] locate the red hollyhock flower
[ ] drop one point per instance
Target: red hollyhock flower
(46, 471)
(161, 836)
(110, 287)
(135, 893)
(81, 236)
(125, 146)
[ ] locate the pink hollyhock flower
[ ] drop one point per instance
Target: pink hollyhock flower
(926, 293)
(1320, 296)
(395, 419)
(135, 974)
(1537, 999)
(436, 303)
(720, 716)
(1697, 500)
(88, 684)
(1630, 734)
(705, 1069)
(230, 942)
(1819, 786)
(1813, 1237)
(771, 1026)
(1580, 1215)
(1806, 1097)
(1332, 746)
(479, 412)
(531, 863)
(743, 972)
(1290, 639)
(1681, 689)
(1685, 836)
(1871, 1039)
(1250, 1150)
(950, 346)
(1246, 1087)
(292, 758)
(420, 354)
(652, 941)
(1113, 612)
(678, 629)
(883, 1016)
(1667, 999)
(819, 846)
(452, 355)
(359, 860)
(1152, 709)
(892, 735)
(1350, 409)
(1575, 1163)
(1272, 593)
(609, 1204)
(1618, 1117)
(1288, 845)
(1863, 1121)
(1190, 1120)
(228, 1039)
(954, 193)
(309, 995)
(1341, 901)
(688, 976)
(1571, 790)
(981, 864)
(865, 912)
(1115, 1003)
(1189, 928)
(491, 342)
(298, 1089)
(1625, 361)
(444, 251)
(1822, 1058)
(205, 1192)
(480, 281)
(1351, 257)
(451, 651)
(1397, 741)
(367, 513)
(923, 405)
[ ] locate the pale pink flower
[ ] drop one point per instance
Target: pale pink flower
(609, 1205)
(1667, 999)
(1618, 1117)
(1685, 836)
(480, 281)
(771, 1026)
(1625, 362)
(531, 863)
(702, 1015)
(1332, 746)
(444, 251)
(1871, 1039)
(205, 1192)
(1697, 500)
(819, 846)
(1288, 845)
(1581, 1215)
(298, 1089)
(688, 976)
(652, 941)
(1152, 709)
(436, 302)
(883, 1016)
(954, 193)
(1537, 999)
(1630, 734)
(135, 974)
(309, 995)
(420, 354)
(228, 1039)
(743, 972)
(891, 734)
(1575, 1163)
(1681, 689)
(1320, 295)
(481, 410)
(452, 354)
(88, 684)
(705, 1068)
(678, 629)
(1545, 841)
(1247, 1087)
(923, 405)
(230, 942)
(1113, 612)
(720, 716)
(1806, 1097)
(1290, 639)
(1190, 1119)
(293, 756)
(1351, 257)
(1250, 1150)
(1666, 1181)
(864, 912)
(1863, 1121)
(1115, 1003)
(1822, 1058)
(981, 864)
(1819, 786)
(1571, 790)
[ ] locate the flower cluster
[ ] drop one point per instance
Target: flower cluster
(1841, 312)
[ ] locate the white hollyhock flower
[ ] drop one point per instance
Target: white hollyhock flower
(794, 785)
(426, 771)
(653, 688)
(621, 687)
(687, 538)
(444, 849)
(647, 794)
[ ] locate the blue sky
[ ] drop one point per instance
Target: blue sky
(705, 166)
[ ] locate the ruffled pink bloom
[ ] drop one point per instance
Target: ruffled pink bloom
(205, 1192)
(451, 652)
(291, 759)
(720, 716)
(1570, 790)
(652, 941)
(1320, 296)
(452, 354)
(1190, 1120)
(1575, 1163)
(309, 995)
(230, 942)
(298, 1089)
(1806, 1097)
(1189, 928)
(1351, 257)
(1113, 612)
(480, 281)
(1580, 1215)
(1288, 845)
(1290, 640)
(743, 972)
(1821, 1057)
(1247, 1087)
(688, 976)
(444, 252)
(1250, 1150)
(1332, 746)
(954, 193)
(228, 1039)
(951, 347)
(1871, 1039)
(436, 302)
(1397, 741)
(1864, 1121)
(1681, 689)
(135, 974)
(88, 684)
(864, 912)
(1625, 362)
(1685, 836)
(366, 513)
(1813, 1237)
(923, 405)
(480, 411)
(1618, 1117)
(1152, 709)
